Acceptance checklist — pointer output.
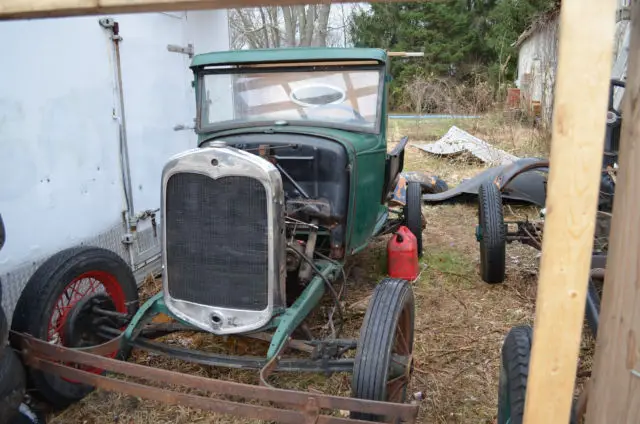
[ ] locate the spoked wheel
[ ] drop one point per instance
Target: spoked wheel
(73, 299)
(413, 212)
(383, 362)
(491, 233)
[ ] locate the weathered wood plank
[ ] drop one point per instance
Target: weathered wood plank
(22, 9)
(582, 82)
(615, 395)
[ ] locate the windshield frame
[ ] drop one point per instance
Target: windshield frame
(200, 74)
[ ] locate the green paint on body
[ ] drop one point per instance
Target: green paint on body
(301, 308)
(284, 55)
(152, 307)
(366, 149)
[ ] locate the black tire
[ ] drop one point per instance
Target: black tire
(514, 372)
(39, 301)
(4, 329)
(12, 385)
(592, 309)
(391, 308)
(492, 234)
(413, 212)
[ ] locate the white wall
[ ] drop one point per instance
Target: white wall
(158, 91)
(59, 168)
(59, 163)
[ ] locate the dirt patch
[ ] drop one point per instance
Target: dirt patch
(460, 321)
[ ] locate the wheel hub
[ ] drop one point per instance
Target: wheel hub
(401, 366)
(82, 324)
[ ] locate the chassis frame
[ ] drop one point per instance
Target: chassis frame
(139, 331)
(294, 406)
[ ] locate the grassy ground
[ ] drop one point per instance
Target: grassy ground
(460, 321)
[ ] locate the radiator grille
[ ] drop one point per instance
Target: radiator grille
(217, 241)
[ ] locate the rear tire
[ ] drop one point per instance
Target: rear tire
(492, 234)
(71, 276)
(386, 337)
(413, 212)
(514, 372)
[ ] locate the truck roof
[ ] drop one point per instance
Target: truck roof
(299, 54)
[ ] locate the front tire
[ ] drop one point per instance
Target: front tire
(491, 233)
(386, 341)
(50, 309)
(413, 212)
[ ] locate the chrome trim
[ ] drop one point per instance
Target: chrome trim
(231, 162)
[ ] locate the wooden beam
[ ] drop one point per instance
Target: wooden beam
(615, 395)
(22, 9)
(580, 104)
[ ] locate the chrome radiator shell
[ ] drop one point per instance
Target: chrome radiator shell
(200, 181)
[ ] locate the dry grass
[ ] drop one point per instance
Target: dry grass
(460, 321)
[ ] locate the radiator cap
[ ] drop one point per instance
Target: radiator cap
(219, 143)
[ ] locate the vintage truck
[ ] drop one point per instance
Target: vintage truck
(291, 176)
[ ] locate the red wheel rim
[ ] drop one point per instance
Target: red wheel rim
(86, 284)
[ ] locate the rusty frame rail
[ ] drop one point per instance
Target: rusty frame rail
(305, 407)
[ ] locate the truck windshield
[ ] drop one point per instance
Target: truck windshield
(344, 97)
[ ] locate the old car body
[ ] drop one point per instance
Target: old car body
(328, 167)
(291, 175)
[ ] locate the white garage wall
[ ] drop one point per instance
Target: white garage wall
(60, 175)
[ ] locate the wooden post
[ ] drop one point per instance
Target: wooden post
(21, 9)
(615, 387)
(580, 105)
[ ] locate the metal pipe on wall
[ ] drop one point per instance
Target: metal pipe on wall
(114, 28)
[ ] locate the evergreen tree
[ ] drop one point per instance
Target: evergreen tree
(466, 40)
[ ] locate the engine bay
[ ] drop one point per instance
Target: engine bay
(315, 174)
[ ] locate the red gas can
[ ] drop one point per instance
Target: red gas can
(402, 255)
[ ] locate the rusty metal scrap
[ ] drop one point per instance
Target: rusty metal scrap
(305, 407)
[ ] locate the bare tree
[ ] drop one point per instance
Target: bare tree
(290, 23)
(275, 26)
(322, 24)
